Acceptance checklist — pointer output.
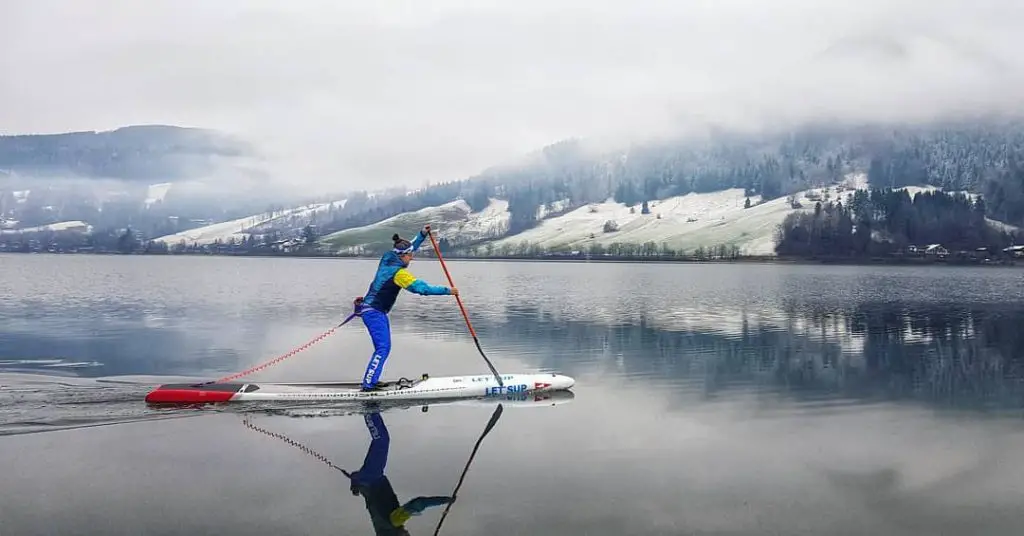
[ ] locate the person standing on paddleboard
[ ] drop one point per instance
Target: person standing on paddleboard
(392, 276)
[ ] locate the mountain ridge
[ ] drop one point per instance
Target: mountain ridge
(982, 156)
(133, 152)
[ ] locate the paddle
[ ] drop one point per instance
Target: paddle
(487, 430)
(458, 299)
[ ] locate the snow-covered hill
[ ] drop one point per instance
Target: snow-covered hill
(682, 222)
(58, 227)
(241, 228)
(454, 221)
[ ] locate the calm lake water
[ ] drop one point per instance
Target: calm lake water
(710, 399)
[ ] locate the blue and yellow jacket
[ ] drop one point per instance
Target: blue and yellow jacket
(392, 277)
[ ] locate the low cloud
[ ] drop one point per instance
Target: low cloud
(372, 94)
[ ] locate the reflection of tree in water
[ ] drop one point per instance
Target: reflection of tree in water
(953, 355)
(957, 355)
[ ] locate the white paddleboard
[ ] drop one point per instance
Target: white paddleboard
(423, 388)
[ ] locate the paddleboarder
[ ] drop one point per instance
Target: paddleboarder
(387, 516)
(392, 276)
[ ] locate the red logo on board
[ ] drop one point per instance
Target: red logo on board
(539, 385)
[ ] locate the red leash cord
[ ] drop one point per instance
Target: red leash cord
(278, 359)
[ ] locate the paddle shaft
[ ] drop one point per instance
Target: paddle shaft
(458, 299)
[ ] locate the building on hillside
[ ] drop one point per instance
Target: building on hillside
(1014, 251)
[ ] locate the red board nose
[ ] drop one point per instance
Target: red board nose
(189, 394)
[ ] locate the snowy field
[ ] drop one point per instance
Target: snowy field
(455, 221)
(683, 222)
(239, 229)
(690, 221)
(77, 226)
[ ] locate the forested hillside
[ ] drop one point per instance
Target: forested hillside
(984, 159)
(978, 157)
(886, 221)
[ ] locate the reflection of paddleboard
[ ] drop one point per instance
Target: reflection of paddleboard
(347, 407)
(514, 400)
(424, 388)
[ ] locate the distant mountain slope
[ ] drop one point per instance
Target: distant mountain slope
(680, 222)
(980, 156)
(983, 156)
(677, 223)
(285, 223)
(454, 222)
(148, 153)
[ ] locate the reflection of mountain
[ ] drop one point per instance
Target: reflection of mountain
(962, 354)
(954, 355)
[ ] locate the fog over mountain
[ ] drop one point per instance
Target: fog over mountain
(337, 95)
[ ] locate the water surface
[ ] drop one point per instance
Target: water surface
(710, 399)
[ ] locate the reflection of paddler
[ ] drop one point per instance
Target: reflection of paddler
(387, 515)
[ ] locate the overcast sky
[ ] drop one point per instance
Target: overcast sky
(372, 93)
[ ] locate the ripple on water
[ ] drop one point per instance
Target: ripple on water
(36, 403)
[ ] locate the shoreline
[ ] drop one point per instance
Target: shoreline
(653, 259)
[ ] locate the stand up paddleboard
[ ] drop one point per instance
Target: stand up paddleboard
(424, 388)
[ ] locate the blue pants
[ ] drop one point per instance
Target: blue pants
(379, 326)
